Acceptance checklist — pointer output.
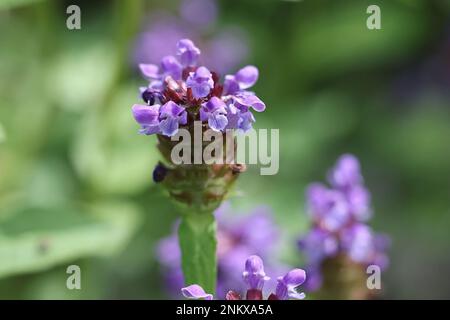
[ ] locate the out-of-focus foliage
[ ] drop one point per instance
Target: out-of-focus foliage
(75, 178)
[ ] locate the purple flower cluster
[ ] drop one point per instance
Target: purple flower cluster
(179, 92)
(238, 238)
(338, 214)
(255, 277)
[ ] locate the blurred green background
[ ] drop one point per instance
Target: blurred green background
(75, 178)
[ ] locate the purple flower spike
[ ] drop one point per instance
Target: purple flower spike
(247, 77)
(287, 284)
(346, 173)
(147, 117)
(214, 112)
(171, 67)
(200, 82)
(254, 274)
(196, 292)
(187, 52)
(172, 115)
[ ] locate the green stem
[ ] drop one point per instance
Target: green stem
(197, 237)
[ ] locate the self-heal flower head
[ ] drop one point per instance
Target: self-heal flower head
(254, 276)
(221, 106)
(214, 112)
(286, 287)
(200, 82)
(187, 52)
(172, 115)
(196, 292)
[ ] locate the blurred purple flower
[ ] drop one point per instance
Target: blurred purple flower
(338, 216)
(238, 238)
(255, 277)
(199, 13)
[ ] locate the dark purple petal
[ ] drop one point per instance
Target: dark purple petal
(171, 109)
(254, 275)
(196, 292)
(247, 77)
(230, 85)
(150, 71)
(187, 52)
(215, 104)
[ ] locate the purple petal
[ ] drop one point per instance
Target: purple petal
(230, 85)
(247, 77)
(146, 115)
(150, 129)
(171, 109)
(171, 67)
(217, 122)
(203, 73)
(188, 52)
(287, 284)
(254, 274)
(196, 292)
(169, 126)
(245, 121)
(200, 82)
(149, 71)
(215, 104)
(249, 99)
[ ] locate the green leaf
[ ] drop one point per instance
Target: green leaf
(197, 236)
(36, 239)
